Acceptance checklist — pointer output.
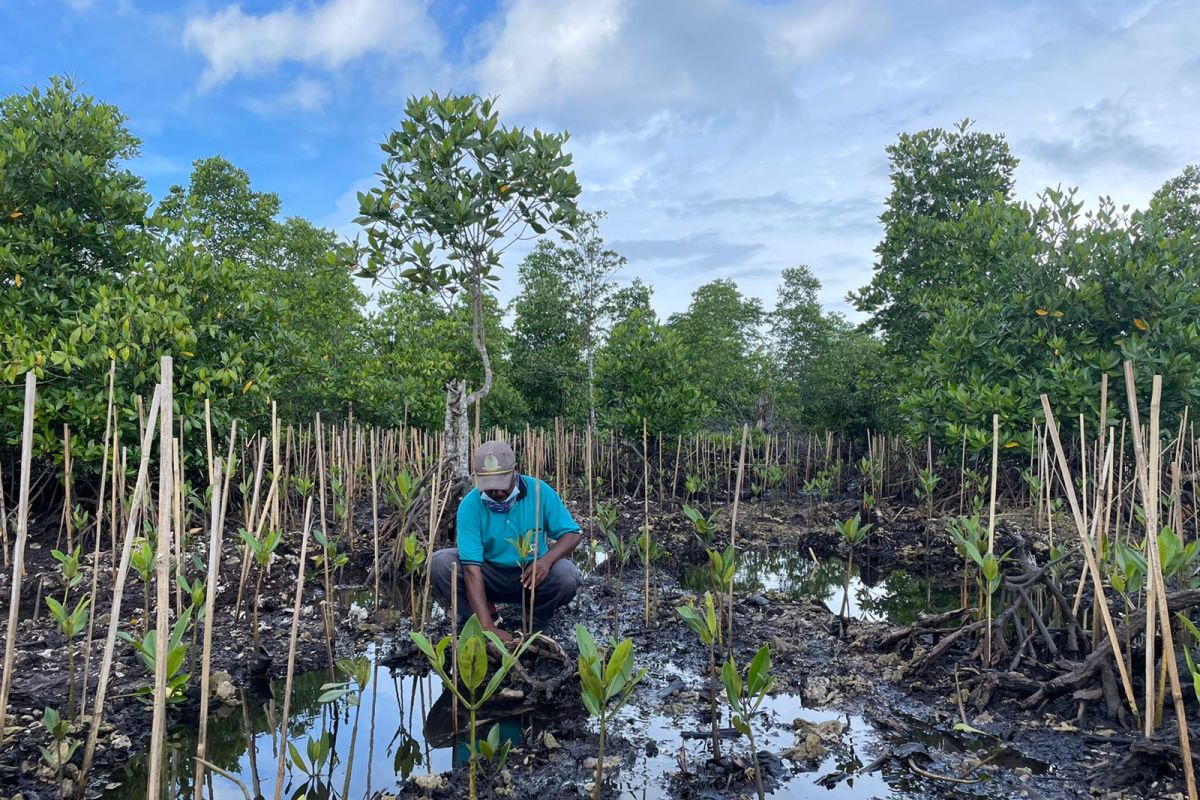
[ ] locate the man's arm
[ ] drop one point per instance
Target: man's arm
(561, 528)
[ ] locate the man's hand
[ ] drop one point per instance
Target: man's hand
(503, 635)
(535, 573)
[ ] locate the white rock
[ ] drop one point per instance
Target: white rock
(430, 782)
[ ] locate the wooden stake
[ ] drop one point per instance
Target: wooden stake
(291, 662)
(114, 614)
(210, 597)
(162, 569)
(737, 495)
(14, 601)
(1089, 555)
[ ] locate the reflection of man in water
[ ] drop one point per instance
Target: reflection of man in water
(504, 506)
(440, 730)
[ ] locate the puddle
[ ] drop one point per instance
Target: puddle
(403, 726)
(898, 597)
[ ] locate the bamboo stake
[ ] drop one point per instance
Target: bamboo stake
(737, 495)
(987, 641)
(646, 523)
(87, 648)
(3, 520)
(210, 597)
(375, 514)
(1156, 594)
(14, 601)
(162, 567)
(1089, 555)
(291, 662)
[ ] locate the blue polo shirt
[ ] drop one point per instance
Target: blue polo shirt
(485, 535)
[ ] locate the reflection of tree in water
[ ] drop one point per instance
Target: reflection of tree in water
(229, 740)
(897, 596)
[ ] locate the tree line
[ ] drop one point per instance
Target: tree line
(977, 304)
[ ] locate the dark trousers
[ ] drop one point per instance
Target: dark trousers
(503, 585)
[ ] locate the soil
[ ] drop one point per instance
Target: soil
(841, 702)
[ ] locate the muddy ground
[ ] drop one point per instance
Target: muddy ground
(841, 702)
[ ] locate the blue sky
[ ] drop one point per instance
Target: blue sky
(725, 138)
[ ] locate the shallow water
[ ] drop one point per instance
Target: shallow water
(898, 597)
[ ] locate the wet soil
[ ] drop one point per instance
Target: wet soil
(846, 719)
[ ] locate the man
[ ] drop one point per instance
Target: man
(504, 506)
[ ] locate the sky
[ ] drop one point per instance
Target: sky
(724, 138)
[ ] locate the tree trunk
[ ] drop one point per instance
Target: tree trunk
(458, 430)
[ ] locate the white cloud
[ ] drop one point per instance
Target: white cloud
(329, 34)
(305, 94)
(637, 56)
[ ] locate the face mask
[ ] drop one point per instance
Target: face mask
(504, 505)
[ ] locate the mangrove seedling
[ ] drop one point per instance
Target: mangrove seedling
(414, 561)
(319, 752)
(1187, 651)
(494, 751)
(605, 678)
(68, 570)
(70, 624)
(177, 648)
(705, 527)
(59, 754)
(1176, 557)
(707, 626)
(526, 546)
(691, 486)
(853, 532)
(927, 481)
(263, 549)
(746, 697)
(141, 561)
(969, 537)
(471, 651)
(356, 673)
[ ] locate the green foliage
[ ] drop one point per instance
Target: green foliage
(356, 673)
(853, 530)
(642, 372)
(606, 682)
(745, 697)
(721, 342)
(722, 569)
(705, 527)
(472, 649)
(64, 748)
(68, 567)
(70, 623)
(704, 625)
(177, 648)
(936, 176)
(1176, 558)
(319, 751)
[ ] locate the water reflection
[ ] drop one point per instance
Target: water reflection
(412, 719)
(898, 597)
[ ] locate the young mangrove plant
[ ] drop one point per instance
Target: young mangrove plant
(606, 682)
(704, 527)
(927, 481)
(853, 532)
(707, 626)
(62, 749)
(262, 549)
(526, 547)
(141, 561)
(970, 536)
(319, 752)
(177, 648)
(746, 697)
(471, 652)
(70, 624)
(414, 561)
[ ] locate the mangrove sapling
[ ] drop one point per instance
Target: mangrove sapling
(604, 678)
(263, 550)
(319, 752)
(141, 561)
(414, 561)
(325, 557)
(704, 527)
(853, 532)
(357, 674)
(606, 521)
(493, 751)
(70, 624)
(708, 628)
(927, 481)
(62, 749)
(969, 535)
(526, 547)
(691, 486)
(177, 647)
(472, 662)
(745, 698)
